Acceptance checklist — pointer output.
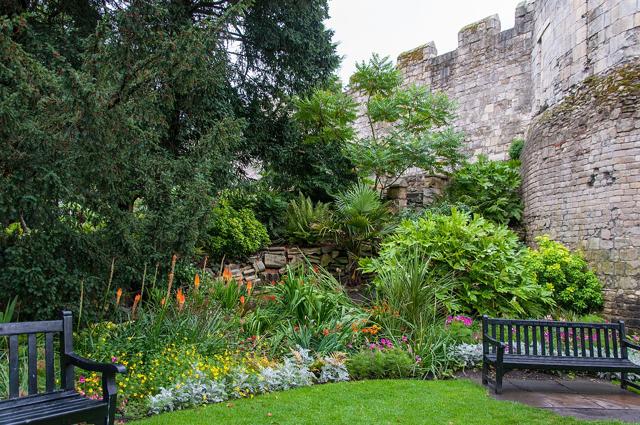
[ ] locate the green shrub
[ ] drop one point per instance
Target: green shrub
(490, 188)
(515, 150)
(234, 233)
(567, 275)
(309, 308)
(377, 364)
(305, 220)
(268, 205)
(485, 260)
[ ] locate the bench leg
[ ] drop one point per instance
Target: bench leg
(623, 380)
(499, 374)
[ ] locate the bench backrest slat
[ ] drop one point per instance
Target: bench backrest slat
(14, 382)
(49, 361)
(24, 328)
(557, 339)
(32, 361)
(29, 332)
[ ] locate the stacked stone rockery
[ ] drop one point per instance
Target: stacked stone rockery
(270, 264)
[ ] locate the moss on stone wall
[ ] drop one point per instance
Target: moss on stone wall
(599, 90)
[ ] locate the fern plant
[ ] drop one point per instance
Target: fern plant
(305, 220)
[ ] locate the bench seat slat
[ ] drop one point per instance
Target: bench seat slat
(32, 399)
(580, 363)
(51, 409)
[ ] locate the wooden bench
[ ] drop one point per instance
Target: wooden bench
(548, 345)
(60, 405)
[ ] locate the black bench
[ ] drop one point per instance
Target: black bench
(548, 345)
(60, 405)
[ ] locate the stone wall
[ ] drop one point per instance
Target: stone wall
(488, 76)
(581, 181)
(574, 39)
(567, 77)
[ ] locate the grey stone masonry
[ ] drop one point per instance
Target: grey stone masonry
(566, 77)
(581, 181)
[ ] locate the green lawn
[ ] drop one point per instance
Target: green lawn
(370, 402)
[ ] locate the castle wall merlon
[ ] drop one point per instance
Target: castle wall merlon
(483, 30)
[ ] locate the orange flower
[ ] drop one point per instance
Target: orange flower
(249, 287)
(136, 300)
(180, 298)
(325, 332)
(118, 295)
(226, 274)
(162, 301)
(196, 281)
(242, 299)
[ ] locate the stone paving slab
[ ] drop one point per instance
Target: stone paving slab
(582, 398)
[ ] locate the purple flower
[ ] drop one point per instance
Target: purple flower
(114, 359)
(404, 339)
(418, 359)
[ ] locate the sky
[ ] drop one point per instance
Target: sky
(389, 27)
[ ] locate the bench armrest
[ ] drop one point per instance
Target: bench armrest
(91, 366)
(630, 344)
(501, 346)
(493, 341)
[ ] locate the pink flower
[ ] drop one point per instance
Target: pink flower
(404, 339)
(114, 359)
(81, 379)
(418, 359)
(467, 321)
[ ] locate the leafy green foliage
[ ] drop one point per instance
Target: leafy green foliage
(414, 292)
(409, 127)
(121, 122)
(566, 275)
(380, 364)
(489, 188)
(411, 302)
(308, 308)
(317, 166)
(233, 233)
(7, 315)
(485, 260)
(268, 204)
(360, 219)
(325, 116)
(515, 150)
(305, 220)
